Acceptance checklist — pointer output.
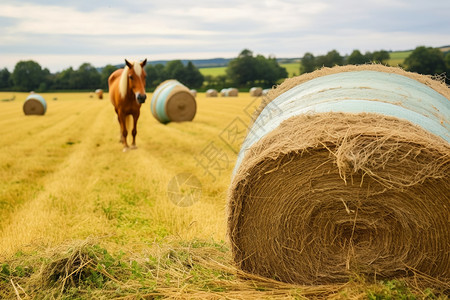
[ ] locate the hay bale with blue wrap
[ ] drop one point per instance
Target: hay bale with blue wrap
(173, 102)
(345, 171)
(34, 105)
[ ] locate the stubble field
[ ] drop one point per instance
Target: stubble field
(82, 219)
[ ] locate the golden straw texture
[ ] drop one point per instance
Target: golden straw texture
(325, 196)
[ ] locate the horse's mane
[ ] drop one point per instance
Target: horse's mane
(123, 84)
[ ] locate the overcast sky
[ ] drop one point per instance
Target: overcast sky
(59, 34)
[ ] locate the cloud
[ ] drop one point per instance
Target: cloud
(73, 32)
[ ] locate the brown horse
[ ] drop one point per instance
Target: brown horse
(127, 93)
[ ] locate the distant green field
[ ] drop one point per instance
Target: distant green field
(397, 58)
(293, 69)
(213, 71)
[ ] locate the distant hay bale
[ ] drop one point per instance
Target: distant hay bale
(232, 92)
(265, 92)
(99, 93)
(345, 170)
(34, 105)
(256, 91)
(173, 102)
(229, 92)
(211, 93)
(193, 92)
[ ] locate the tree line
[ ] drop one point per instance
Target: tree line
(29, 75)
(244, 71)
(422, 60)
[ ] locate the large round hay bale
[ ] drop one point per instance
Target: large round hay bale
(345, 170)
(211, 93)
(34, 105)
(173, 102)
(193, 92)
(255, 91)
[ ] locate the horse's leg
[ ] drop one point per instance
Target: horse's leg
(123, 126)
(134, 131)
(120, 126)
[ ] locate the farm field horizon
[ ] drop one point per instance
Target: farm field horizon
(127, 224)
(293, 69)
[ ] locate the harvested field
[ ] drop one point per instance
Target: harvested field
(82, 219)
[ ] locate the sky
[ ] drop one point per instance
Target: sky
(59, 34)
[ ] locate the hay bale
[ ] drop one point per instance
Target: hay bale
(229, 92)
(193, 92)
(223, 92)
(256, 91)
(232, 92)
(265, 92)
(34, 105)
(99, 93)
(345, 170)
(173, 102)
(211, 93)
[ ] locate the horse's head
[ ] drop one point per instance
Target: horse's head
(136, 79)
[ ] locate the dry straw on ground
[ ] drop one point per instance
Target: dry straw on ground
(196, 270)
(328, 195)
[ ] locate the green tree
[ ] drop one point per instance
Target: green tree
(5, 79)
(381, 57)
(28, 75)
(308, 63)
(105, 73)
(64, 80)
(331, 59)
(194, 79)
(268, 71)
(426, 60)
(242, 70)
(176, 70)
(87, 77)
(47, 80)
(216, 82)
(246, 70)
(356, 58)
(155, 74)
(447, 62)
(447, 66)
